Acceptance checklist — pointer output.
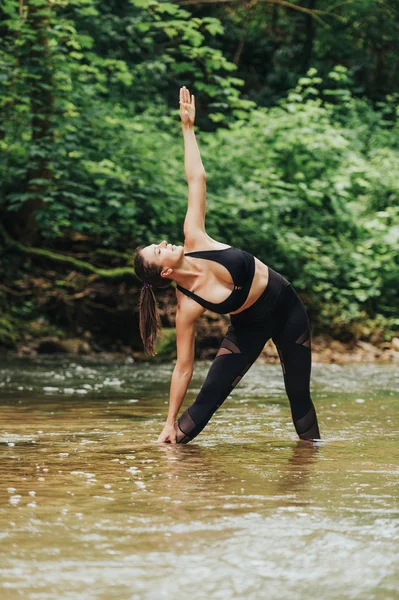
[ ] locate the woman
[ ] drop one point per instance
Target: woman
(215, 276)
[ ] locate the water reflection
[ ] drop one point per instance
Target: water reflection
(299, 467)
(205, 465)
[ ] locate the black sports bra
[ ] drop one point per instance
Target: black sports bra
(241, 266)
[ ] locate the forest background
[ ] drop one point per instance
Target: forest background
(297, 123)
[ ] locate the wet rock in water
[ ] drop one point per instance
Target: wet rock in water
(337, 346)
(27, 351)
(210, 330)
(395, 344)
(270, 351)
(69, 346)
(369, 348)
(49, 346)
(392, 355)
(385, 346)
(141, 356)
(84, 347)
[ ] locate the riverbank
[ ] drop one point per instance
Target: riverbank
(324, 350)
(56, 311)
(328, 350)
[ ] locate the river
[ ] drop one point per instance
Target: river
(91, 507)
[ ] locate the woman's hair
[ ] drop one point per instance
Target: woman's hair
(149, 320)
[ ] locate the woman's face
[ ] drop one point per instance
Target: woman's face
(163, 255)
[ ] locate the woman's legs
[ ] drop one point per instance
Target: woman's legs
(281, 315)
(227, 369)
(292, 338)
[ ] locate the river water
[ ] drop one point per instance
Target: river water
(91, 507)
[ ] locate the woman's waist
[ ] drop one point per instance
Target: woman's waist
(264, 300)
(259, 283)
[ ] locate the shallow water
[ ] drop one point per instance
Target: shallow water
(92, 508)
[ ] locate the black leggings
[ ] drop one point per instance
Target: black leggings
(278, 314)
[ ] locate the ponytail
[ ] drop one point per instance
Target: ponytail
(149, 319)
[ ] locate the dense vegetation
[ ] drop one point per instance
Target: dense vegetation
(297, 126)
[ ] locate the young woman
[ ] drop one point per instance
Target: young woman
(214, 276)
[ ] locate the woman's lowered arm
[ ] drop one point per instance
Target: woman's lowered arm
(182, 373)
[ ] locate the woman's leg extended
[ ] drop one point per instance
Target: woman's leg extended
(228, 367)
(292, 338)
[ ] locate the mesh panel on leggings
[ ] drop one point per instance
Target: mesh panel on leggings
(222, 351)
(228, 347)
(307, 427)
(304, 339)
(181, 438)
(239, 377)
(186, 423)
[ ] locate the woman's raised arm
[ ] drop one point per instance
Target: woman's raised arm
(194, 169)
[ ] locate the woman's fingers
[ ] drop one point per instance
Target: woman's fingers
(187, 106)
(169, 438)
(185, 96)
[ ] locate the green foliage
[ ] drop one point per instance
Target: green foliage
(78, 156)
(91, 145)
(274, 45)
(7, 333)
(165, 346)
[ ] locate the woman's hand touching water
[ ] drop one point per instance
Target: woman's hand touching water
(168, 433)
(187, 107)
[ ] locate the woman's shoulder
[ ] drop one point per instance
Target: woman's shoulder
(188, 311)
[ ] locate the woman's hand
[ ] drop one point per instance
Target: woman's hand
(187, 107)
(168, 433)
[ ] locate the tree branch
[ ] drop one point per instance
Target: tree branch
(314, 13)
(69, 260)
